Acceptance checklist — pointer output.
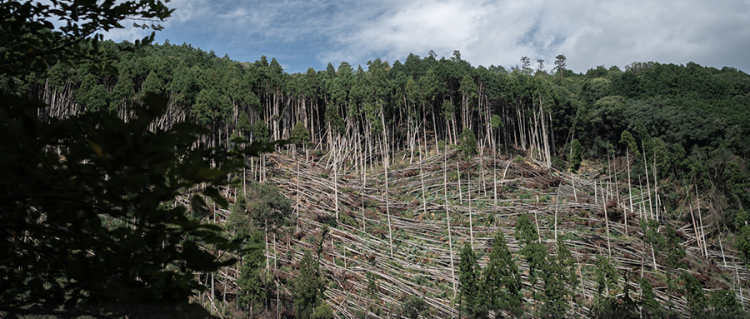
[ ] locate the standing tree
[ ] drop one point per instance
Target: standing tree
(495, 123)
(250, 296)
(532, 249)
(649, 306)
(526, 65)
(502, 281)
(575, 158)
(560, 63)
(308, 287)
(559, 281)
(471, 298)
(606, 277)
(469, 147)
(697, 303)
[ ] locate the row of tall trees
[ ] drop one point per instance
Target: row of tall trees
(688, 122)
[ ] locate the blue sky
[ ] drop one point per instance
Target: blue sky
(303, 34)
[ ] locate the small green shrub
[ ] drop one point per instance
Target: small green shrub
(559, 163)
(323, 311)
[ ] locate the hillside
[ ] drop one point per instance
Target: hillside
(591, 158)
(568, 206)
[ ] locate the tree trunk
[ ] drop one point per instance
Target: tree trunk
(385, 167)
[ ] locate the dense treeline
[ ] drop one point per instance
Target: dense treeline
(688, 124)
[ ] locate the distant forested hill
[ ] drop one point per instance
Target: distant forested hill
(685, 123)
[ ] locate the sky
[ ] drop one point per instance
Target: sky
(304, 34)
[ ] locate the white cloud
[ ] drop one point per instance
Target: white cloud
(411, 28)
(588, 32)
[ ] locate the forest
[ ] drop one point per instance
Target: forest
(690, 124)
(170, 181)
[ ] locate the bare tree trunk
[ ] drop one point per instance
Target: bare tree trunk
(656, 188)
(700, 219)
(448, 216)
(335, 178)
(630, 193)
(471, 224)
(494, 170)
(606, 221)
(648, 185)
(385, 167)
(421, 177)
(697, 230)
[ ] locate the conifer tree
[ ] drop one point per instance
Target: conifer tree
(250, 295)
(606, 277)
(502, 281)
(649, 305)
(533, 251)
(300, 134)
(308, 287)
(724, 302)
(697, 303)
(471, 298)
(559, 280)
(575, 159)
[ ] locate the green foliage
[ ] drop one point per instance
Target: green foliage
(467, 143)
(559, 164)
(648, 297)
(496, 122)
(108, 170)
(697, 303)
(32, 43)
(448, 110)
(92, 96)
(260, 131)
(559, 281)
(742, 244)
(724, 302)
(622, 306)
(153, 84)
(324, 311)
(738, 184)
(412, 307)
(244, 124)
(675, 252)
(525, 230)
(471, 297)
(333, 119)
(606, 276)
(300, 134)
(629, 141)
(575, 158)
(267, 207)
(533, 251)
(308, 287)
(210, 107)
(502, 281)
(250, 295)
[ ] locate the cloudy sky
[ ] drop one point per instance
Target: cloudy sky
(303, 34)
